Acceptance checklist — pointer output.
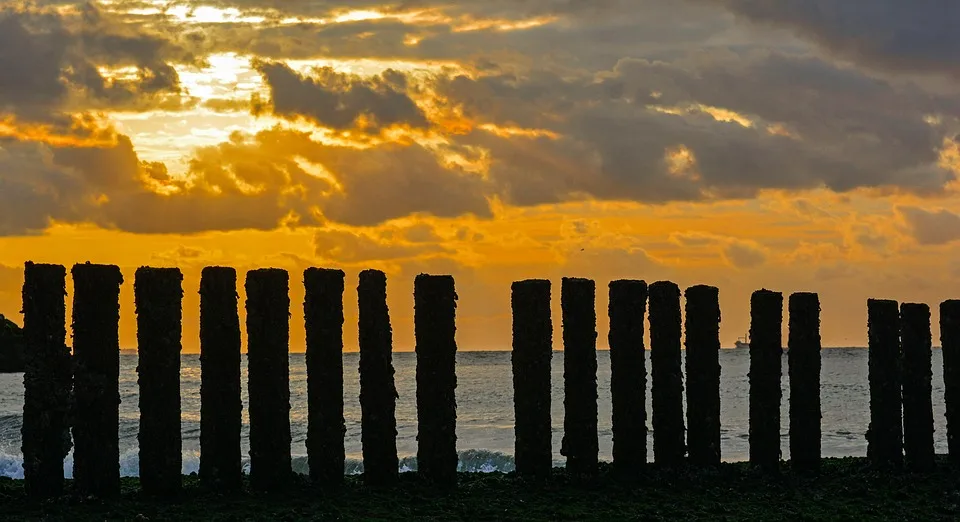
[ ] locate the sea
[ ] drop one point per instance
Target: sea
(485, 417)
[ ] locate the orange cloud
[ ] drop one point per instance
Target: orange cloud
(83, 131)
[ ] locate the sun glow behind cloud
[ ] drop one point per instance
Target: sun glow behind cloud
(230, 79)
(205, 14)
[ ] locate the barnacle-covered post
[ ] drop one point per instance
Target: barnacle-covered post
(532, 351)
(268, 356)
(916, 342)
(766, 351)
(435, 325)
(96, 350)
(323, 318)
(950, 344)
(47, 381)
(220, 403)
(580, 440)
(804, 358)
(665, 330)
(703, 374)
(158, 296)
(885, 435)
(378, 394)
(628, 375)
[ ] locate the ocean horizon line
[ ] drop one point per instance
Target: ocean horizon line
(133, 351)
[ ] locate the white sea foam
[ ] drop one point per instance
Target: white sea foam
(476, 461)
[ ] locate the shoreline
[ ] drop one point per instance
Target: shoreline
(845, 488)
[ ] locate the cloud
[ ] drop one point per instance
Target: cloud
(341, 101)
(31, 64)
(360, 246)
(49, 61)
(421, 233)
(936, 227)
(653, 131)
(501, 32)
(744, 254)
(738, 253)
(641, 111)
(34, 189)
(890, 34)
(839, 270)
(275, 178)
(613, 262)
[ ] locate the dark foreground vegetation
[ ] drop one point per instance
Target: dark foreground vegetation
(844, 489)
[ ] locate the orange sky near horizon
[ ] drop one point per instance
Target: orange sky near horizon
(697, 141)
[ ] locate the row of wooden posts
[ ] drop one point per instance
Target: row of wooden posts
(80, 393)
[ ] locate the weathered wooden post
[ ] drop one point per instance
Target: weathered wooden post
(220, 403)
(323, 315)
(916, 342)
(47, 381)
(766, 350)
(268, 356)
(628, 375)
(532, 351)
(96, 351)
(950, 344)
(804, 358)
(158, 296)
(703, 374)
(378, 393)
(665, 330)
(580, 442)
(885, 435)
(435, 309)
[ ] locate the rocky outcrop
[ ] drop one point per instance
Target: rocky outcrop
(12, 347)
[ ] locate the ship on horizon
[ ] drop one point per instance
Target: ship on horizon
(742, 342)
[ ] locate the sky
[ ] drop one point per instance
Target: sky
(796, 145)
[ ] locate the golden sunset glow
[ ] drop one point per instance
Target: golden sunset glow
(494, 141)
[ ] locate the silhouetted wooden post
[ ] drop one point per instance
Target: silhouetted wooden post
(703, 374)
(532, 351)
(916, 342)
(885, 435)
(435, 311)
(628, 375)
(378, 394)
(268, 358)
(804, 358)
(96, 384)
(766, 350)
(158, 296)
(220, 403)
(665, 330)
(47, 380)
(950, 344)
(323, 315)
(580, 440)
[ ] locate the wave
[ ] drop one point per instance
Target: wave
(474, 461)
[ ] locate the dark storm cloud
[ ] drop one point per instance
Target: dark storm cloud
(31, 63)
(35, 190)
(847, 130)
(338, 100)
(49, 63)
(917, 36)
